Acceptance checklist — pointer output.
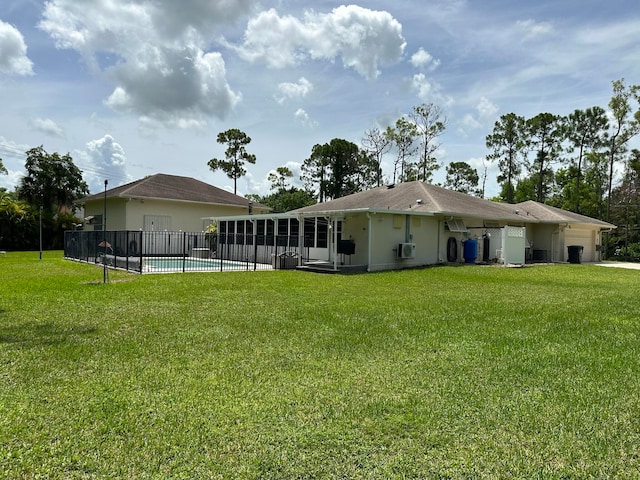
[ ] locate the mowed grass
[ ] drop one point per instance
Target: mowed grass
(448, 372)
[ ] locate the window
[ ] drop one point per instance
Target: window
(322, 233)
(222, 232)
(283, 232)
(269, 240)
(249, 233)
(231, 231)
(240, 233)
(309, 232)
(260, 237)
(96, 221)
(294, 231)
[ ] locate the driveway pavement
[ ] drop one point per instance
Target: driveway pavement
(632, 266)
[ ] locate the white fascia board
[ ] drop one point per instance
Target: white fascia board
(342, 213)
(259, 216)
(327, 213)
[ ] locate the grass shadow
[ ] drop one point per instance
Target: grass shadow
(33, 334)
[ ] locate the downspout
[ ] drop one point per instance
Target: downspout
(440, 229)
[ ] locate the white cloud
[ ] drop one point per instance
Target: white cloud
(294, 90)
(422, 86)
(175, 87)
(487, 110)
(423, 60)
(469, 123)
(486, 115)
(103, 159)
(47, 126)
(157, 54)
(530, 28)
(13, 52)
(303, 118)
(365, 39)
(429, 91)
(12, 179)
(13, 157)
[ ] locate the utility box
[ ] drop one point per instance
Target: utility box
(514, 245)
(284, 261)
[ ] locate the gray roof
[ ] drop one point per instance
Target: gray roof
(419, 197)
(172, 187)
(548, 214)
(424, 198)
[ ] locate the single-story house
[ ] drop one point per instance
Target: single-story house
(416, 224)
(163, 203)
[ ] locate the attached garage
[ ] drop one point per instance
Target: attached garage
(565, 229)
(584, 238)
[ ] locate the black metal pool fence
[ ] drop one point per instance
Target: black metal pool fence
(163, 252)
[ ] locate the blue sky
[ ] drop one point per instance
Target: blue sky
(133, 88)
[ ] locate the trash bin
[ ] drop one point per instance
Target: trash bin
(575, 253)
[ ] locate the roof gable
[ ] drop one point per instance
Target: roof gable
(173, 187)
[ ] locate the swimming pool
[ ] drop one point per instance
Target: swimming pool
(178, 264)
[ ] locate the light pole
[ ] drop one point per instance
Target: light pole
(40, 232)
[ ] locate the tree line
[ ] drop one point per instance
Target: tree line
(567, 160)
(43, 200)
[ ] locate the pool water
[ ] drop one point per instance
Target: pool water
(178, 264)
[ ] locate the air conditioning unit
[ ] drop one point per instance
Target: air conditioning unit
(406, 250)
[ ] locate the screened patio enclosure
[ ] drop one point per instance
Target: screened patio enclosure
(311, 240)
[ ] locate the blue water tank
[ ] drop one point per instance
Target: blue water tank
(470, 250)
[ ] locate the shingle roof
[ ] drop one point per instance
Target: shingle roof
(548, 214)
(172, 187)
(420, 197)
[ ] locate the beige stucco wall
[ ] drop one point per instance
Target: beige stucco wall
(115, 213)
(389, 230)
(128, 214)
(355, 227)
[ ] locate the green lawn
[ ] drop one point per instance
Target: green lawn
(464, 372)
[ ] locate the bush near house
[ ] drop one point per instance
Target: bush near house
(449, 372)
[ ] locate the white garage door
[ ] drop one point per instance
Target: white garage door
(585, 238)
